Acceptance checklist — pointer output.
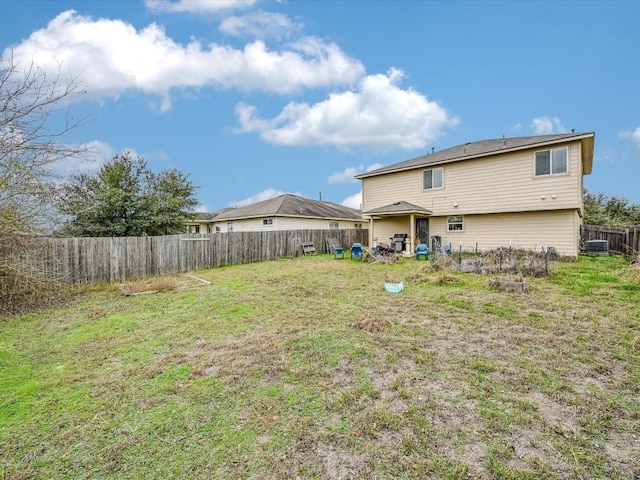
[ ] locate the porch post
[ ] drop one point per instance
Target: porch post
(412, 236)
(371, 232)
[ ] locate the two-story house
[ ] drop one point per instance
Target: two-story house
(524, 192)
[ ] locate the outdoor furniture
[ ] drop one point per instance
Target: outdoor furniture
(308, 248)
(356, 251)
(422, 251)
(333, 246)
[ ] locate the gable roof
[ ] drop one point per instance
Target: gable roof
(485, 148)
(291, 206)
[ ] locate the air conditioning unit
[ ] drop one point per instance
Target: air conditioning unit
(596, 247)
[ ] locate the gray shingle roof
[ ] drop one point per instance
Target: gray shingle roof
(477, 149)
(398, 208)
(208, 216)
(291, 206)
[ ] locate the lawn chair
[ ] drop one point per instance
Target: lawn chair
(422, 251)
(356, 251)
(333, 246)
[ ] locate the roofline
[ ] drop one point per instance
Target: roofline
(399, 213)
(585, 136)
(272, 215)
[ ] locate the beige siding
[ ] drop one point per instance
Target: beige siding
(527, 230)
(504, 183)
(383, 230)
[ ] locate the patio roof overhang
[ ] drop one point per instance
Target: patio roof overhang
(397, 209)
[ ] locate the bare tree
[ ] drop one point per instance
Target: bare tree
(34, 121)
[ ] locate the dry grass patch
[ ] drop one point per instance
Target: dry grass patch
(306, 368)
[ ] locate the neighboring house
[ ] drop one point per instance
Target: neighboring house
(524, 192)
(286, 212)
(203, 222)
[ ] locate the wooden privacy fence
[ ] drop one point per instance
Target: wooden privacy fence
(623, 240)
(97, 259)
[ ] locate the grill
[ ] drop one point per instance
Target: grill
(399, 242)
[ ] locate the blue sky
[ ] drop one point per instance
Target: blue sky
(257, 98)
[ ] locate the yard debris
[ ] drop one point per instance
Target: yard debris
(509, 285)
(206, 282)
(147, 286)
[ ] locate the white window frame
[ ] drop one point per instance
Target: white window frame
(551, 162)
(334, 226)
(357, 226)
(451, 222)
(229, 226)
(267, 221)
(432, 170)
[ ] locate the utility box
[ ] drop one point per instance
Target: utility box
(596, 247)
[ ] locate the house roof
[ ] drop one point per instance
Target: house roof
(208, 216)
(485, 148)
(398, 208)
(291, 206)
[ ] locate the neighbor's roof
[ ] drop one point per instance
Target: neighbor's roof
(291, 206)
(398, 208)
(208, 216)
(485, 148)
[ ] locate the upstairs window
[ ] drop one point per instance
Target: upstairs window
(267, 221)
(357, 226)
(551, 162)
(334, 225)
(433, 178)
(229, 226)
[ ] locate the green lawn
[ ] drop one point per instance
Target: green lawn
(307, 368)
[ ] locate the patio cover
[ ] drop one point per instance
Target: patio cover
(398, 209)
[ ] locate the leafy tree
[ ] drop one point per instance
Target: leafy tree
(126, 198)
(611, 211)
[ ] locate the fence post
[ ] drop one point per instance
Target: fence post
(546, 262)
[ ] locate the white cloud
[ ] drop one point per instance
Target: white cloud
(354, 201)
(633, 136)
(378, 115)
(260, 24)
(197, 6)
(111, 57)
(547, 125)
(259, 197)
(96, 154)
(201, 208)
(348, 173)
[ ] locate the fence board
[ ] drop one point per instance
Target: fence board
(98, 259)
(621, 240)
